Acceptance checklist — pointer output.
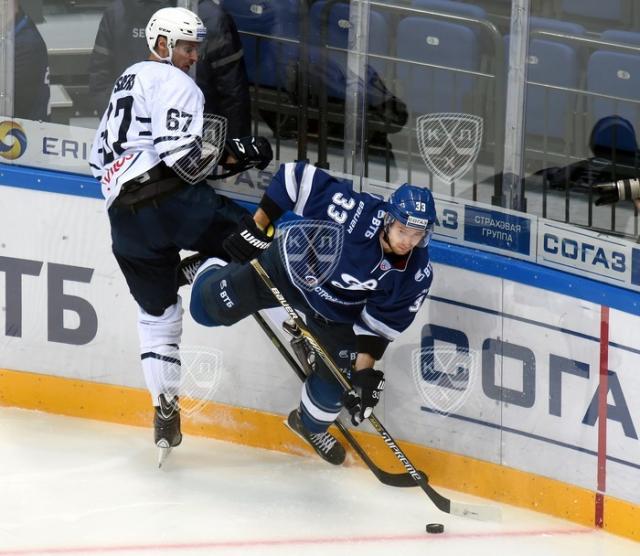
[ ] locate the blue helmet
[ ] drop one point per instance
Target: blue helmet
(414, 207)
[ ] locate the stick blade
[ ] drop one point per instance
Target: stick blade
(476, 511)
(400, 480)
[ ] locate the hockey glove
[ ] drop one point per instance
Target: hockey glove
(248, 241)
(249, 152)
(609, 193)
(368, 385)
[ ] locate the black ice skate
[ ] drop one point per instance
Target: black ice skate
(166, 425)
(188, 267)
(324, 443)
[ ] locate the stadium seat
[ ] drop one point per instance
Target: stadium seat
(451, 7)
(615, 73)
(556, 62)
(336, 35)
(623, 37)
(268, 61)
(451, 45)
(598, 14)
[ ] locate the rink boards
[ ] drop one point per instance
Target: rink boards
(523, 354)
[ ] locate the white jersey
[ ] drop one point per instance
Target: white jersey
(154, 115)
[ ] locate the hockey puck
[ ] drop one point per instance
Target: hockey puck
(435, 528)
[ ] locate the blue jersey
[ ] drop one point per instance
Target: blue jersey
(379, 294)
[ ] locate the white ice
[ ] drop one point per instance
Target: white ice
(72, 486)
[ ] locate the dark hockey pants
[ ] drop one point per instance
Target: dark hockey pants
(147, 241)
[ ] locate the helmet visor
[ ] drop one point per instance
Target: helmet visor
(189, 48)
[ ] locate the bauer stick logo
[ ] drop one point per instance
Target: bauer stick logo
(449, 143)
(310, 251)
(444, 376)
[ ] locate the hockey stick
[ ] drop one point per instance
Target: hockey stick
(473, 511)
(390, 479)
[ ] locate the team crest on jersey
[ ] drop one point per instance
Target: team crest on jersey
(352, 283)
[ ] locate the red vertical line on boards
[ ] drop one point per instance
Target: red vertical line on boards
(603, 390)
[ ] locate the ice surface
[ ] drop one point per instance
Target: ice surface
(73, 486)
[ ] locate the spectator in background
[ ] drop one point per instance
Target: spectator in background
(220, 73)
(31, 70)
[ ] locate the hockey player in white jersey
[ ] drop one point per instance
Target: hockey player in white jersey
(379, 282)
(152, 150)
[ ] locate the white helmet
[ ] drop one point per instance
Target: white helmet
(177, 24)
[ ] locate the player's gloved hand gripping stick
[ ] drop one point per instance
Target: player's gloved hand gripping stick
(368, 385)
(248, 241)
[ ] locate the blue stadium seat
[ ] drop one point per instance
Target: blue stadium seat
(267, 60)
(553, 62)
(615, 73)
(600, 12)
(623, 37)
(337, 35)
(435, 41)
(451, 7)
(554, 26)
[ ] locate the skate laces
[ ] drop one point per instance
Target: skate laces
(323, 440)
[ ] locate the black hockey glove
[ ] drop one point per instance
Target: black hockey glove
(248, 241)
(250, 152)
(368, 385)
(609, 193)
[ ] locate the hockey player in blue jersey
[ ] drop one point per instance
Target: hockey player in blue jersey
(373, 294)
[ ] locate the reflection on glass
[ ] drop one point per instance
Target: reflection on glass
(583, 110)
(287, 69)
(31, 69)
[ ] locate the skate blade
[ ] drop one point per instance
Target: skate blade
(286, 424)
(294, 431)
(163, 452)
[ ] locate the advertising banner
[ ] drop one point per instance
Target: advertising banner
(491, 368)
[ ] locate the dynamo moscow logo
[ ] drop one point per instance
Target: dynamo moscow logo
(13, 140)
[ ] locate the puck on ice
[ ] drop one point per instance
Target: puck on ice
(435, 528)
